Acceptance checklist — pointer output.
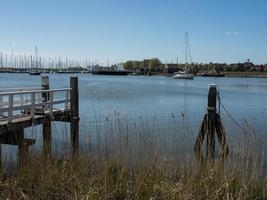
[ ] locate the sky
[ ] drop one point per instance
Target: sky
(119, 30)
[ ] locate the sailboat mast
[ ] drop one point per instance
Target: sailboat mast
(2, 63)
(36, 58)
(186, 36)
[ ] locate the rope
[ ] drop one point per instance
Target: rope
(219, 100)
(228, 113)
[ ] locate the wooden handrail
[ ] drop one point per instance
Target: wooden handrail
(20, 89)
(11, 104)
(35, 91)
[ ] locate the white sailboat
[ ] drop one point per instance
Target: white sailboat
(35, 71)
(184, 74)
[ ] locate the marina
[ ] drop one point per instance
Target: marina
(133, 100)
(136, 96)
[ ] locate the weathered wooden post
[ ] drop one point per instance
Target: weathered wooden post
(74, 106)
(210, 149)
(211, 123)
(23, 151)
(0, 159)
(47, 122)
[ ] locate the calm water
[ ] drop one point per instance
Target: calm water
(160, 97)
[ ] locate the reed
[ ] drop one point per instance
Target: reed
(138, 160)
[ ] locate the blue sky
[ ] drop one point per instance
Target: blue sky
(118, 30)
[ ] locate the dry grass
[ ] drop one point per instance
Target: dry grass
(140, 162)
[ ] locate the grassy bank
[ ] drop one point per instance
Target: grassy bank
(247, 74)
(106, 178)
(141, 162)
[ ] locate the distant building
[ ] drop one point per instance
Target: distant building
(172, 68)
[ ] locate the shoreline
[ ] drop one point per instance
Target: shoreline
(227, 74)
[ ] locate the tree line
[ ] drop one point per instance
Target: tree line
(155, 65)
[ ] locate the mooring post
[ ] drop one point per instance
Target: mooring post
(210, 150)
(47, 122)
(74, 108)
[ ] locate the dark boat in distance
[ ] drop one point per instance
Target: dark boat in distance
(36, 73)
(109, 71)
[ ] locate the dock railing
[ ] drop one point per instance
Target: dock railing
(21, 108)
(18, 102)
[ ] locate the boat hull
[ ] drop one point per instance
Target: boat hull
(185, 77)
(120, 73)
(35, 73)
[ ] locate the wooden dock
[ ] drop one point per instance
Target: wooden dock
(21, 108)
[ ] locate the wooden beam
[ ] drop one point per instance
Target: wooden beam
(47, 133)
(74, 107)
(0, 159)
(11, 138)
(23, 150)
(26, 121)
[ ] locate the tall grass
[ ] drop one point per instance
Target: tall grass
(127, 159)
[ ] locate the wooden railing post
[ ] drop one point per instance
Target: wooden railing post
(212, 99)
(74, 108)
(10, 107)
(1, 104)
(47, 133)
(32, 105)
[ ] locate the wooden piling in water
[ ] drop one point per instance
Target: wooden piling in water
(23, 149)
(0, 158)
(211, 123)
(74, 109)
(212, 99)
(47, 133)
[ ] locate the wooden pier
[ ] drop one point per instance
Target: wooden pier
(21, 108)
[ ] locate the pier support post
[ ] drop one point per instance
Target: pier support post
(74, 106)
(47, 122)
(23, 149)
(210, 149)
(0, 159)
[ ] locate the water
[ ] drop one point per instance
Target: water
(160, 97)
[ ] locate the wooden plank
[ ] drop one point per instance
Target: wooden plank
(27, 141)
(26, 121)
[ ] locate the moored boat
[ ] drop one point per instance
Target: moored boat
(183, 75)
(34, 72)
(111, 72)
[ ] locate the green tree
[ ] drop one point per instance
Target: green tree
(144, 64)
(135, 65)
(128, 65)
(153, 63)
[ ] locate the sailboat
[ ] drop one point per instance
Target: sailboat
(35, 71)
(184, 74)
